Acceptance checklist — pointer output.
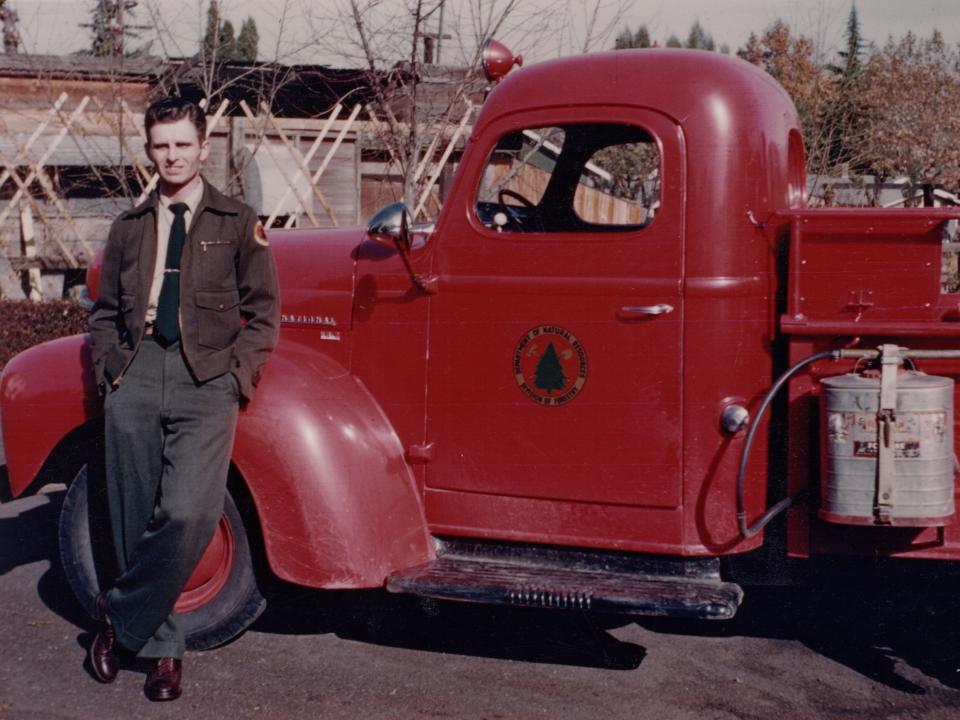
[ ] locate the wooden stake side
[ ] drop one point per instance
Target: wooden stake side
(443, 159)
(46, 156)
(302, 169)
(309, 156)
(331, 152)
(23, 195)
(280, 166)
(5, 175)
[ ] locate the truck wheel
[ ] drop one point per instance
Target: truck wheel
(220, 600)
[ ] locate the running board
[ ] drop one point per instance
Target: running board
(573, 580)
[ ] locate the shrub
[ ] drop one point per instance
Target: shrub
(24, 323)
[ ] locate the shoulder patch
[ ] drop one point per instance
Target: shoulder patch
(260, 235)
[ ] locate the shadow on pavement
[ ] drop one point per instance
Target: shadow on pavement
(403, 621)
(29, 536)
(872, 622)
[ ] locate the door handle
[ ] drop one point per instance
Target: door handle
(641, 311)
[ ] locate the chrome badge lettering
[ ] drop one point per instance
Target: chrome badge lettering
(325, 320)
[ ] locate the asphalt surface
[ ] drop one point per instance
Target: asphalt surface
(315, 655)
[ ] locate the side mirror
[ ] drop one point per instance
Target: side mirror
(390, 227)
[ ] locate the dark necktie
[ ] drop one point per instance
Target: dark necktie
(167, 325)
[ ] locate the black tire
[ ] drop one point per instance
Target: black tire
(87, 555)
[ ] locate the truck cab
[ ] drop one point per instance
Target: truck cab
(602, 292)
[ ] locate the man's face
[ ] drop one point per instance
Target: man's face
(177, 151)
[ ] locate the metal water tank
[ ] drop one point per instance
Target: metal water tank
(919, 445)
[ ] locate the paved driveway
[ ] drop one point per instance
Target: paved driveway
(370, 655)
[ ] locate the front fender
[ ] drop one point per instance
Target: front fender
(46, 392)
(337, 502)
(336, 499)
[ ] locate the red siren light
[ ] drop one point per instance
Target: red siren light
(497, 60)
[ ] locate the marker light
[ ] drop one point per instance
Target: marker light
(497, 60)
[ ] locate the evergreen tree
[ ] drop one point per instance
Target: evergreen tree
(227, 41)
(220, 41)
(11, 36)
(549, 373)
(642, 38)
(624, 40)
(106, 38)
(629, 39)
(844, 115)
(699, 39)
(211, 38)
(248, 40)
(852, 56)
(111, 25)
(674, 42)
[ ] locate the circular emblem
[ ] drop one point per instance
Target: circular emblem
(550, 365)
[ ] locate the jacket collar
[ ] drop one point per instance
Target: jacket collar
(212, 199)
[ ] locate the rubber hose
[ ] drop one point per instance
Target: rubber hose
(749, 531)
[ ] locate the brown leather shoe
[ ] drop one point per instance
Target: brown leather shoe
(103, 650)
(163, 680)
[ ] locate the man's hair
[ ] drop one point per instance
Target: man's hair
(172, 109)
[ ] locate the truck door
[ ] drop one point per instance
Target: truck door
(555, 334)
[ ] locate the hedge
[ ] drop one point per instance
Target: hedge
(24, 323)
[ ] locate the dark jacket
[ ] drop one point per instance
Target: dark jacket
(229, 300)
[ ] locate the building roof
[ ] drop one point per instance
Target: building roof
(88, 67)
(293, 90)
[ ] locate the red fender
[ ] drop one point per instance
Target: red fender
(45, 393)
(337, 501)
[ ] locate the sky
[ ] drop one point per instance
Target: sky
(293, 31)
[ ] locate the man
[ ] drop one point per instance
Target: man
(186, 316)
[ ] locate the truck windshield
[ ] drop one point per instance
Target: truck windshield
(573, 178)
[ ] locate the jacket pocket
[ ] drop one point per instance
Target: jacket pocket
(218, 317)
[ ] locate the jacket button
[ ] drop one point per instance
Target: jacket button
(220, 306)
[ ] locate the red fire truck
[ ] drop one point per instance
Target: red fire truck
(624, 346)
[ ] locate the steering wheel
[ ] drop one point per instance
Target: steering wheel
(518, 220)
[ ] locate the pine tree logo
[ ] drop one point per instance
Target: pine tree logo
(549, 373)
(550, 365)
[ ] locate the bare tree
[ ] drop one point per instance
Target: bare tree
(422, 94)
(589, 25)
(396, 45)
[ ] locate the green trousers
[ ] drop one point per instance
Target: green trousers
(168, 445)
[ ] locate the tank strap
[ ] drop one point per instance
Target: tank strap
(886, 424)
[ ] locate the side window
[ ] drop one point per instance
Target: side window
(598, 177)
